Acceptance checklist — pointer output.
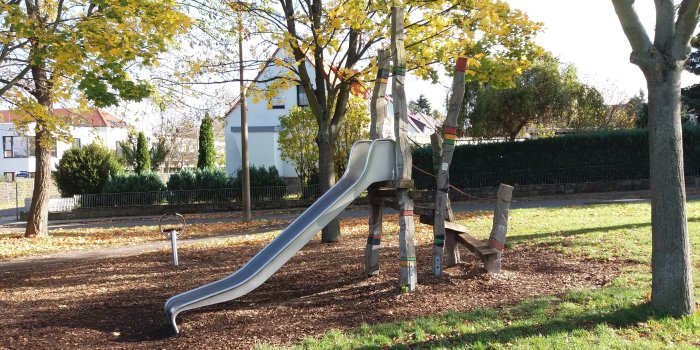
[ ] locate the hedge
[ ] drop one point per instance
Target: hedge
(584, 157)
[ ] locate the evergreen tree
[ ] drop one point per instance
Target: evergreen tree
(207, 153)
(143, 157)
(421, 105)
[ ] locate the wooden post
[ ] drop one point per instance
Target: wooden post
(245, 178)
(404, 162)
(378, 103)
(499, 230)
(451, 252)
(443, 172)
(378, 113)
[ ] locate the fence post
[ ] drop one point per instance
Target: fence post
(17, 199)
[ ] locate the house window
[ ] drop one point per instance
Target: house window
(76, 143)
(16, 147)
(276, 103)
(32, 146)
(302, 100)
(22, 147)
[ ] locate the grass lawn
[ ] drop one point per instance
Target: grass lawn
(617, 316)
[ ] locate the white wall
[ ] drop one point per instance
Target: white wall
(263, 126)
(87, 135)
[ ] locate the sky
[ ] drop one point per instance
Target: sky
(586, 34)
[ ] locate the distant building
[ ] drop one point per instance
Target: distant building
(264, 125)
(86, 127)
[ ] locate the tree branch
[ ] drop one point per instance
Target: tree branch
(634, 31)
(663, 31)
(685, 26)
(11, 83)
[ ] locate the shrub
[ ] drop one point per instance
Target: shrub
(146, 181)
(85, 170)
(183, 180)
(265, 183)
(201, 179)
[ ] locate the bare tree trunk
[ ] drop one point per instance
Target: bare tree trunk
(38, 219)
(326, 172)
(672, 275)
(662, 61)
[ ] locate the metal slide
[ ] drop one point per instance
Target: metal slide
(370, 161)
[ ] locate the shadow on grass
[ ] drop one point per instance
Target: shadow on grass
(620, 318)
(583, 231)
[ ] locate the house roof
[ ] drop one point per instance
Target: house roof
(93, 117)
(357, 90)
(423, 123)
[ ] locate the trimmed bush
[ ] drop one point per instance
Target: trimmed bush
(266, 183)
(85, 170)
(586, 157)
(147, 181)
(200, 179)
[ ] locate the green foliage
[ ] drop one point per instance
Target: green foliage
(207, 152)
(85, 170)
(354, 128)
(159, 151)
(297, 141)
(143, 156)
(146, 181)
(545, 95)
(208, 178)
(640, 108)
(421, 105)
(596, 156)
(260, 177)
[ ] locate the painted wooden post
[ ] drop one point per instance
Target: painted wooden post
(378, 113)
(407, 250)
(499, 230)
(451, 251)
(443, 172)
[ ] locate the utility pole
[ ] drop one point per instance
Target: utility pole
(244, 130)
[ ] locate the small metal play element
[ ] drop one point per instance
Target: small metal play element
(172, 232)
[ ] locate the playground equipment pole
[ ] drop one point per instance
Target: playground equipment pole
(404, 161)
(378, 113)
(443, 174)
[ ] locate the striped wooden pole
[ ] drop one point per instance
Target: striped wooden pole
(451, 252)
(443, 172)
(499, 230)
(378, 113)
(404, 162)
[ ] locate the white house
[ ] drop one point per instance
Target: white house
(86, 127)
(264, 125)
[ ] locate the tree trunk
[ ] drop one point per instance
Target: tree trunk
(326, 172)
(672, 290)
(38, 219)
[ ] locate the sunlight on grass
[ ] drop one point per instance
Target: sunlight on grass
(614, 317)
